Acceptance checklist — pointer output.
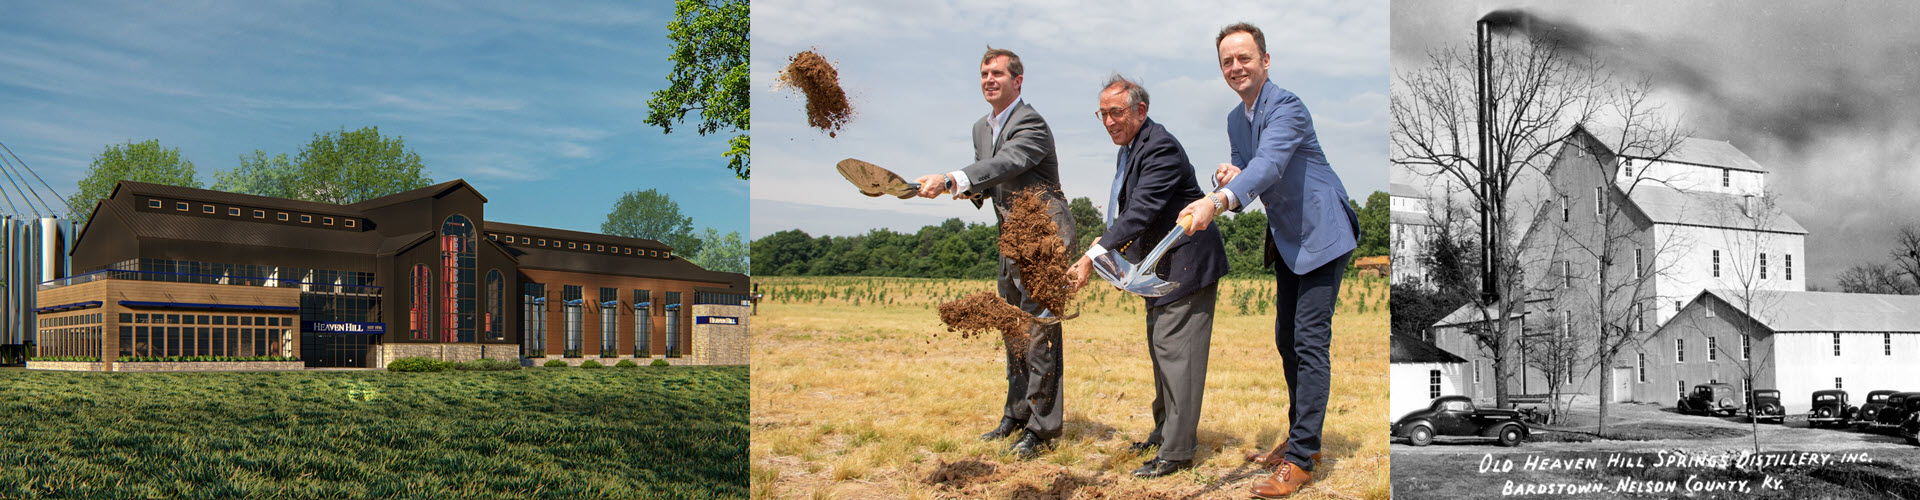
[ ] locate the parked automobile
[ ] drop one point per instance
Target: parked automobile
(1910, 428)
(1876, 400)
(1829, 407)
(1457, 416)
(1708, 399)
(1899, 404)
(1764, 405)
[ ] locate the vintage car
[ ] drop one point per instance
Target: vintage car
(1910, 429)
(1876, 400)
(1764, 405)
(1829, 408)
(1707, 399)
(1899, 404)
(1457, 416)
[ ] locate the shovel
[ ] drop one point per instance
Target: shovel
(875, 181)
(1140, 279)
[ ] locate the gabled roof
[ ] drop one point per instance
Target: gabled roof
(1404, 191)
(1823, 312)
(1469, 314)
(547, 232)
(1411, 350)
(226, 198)
(1691, 150)
(425, 192)
(1411, 218)
(169, 225)
(1665, 205)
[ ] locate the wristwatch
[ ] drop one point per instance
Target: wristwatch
(1219, 202)
(950, 182)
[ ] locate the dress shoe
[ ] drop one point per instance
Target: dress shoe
(1270, 458)
(1030, 445)
(1007, 427)
(1283, 483)
(1142, 447)
(1157, 467)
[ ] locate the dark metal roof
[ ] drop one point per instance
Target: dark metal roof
(181, 226)
(226, 198)
(425, 192)
(1411, 350)
(551, 233)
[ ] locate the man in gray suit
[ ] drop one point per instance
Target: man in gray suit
(1013, 151)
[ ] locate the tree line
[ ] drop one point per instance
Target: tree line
(350, 166)
(956, 249)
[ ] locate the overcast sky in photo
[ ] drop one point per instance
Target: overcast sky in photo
(911, 70)
(538, 105)
(1824, 95)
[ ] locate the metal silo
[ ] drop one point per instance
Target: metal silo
(36, 252)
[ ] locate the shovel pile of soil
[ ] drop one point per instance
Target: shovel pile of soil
(1028, 237)
(827, 106)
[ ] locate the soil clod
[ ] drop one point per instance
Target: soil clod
(827, 105)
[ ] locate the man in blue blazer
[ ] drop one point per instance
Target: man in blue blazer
(1311, 231)
(1152, 181)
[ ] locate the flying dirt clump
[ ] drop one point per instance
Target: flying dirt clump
(1028, 237)
(827, 105)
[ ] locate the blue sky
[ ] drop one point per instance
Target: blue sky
(911, 69)
(539, 105)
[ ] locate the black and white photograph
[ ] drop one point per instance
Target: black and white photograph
(1652, 250)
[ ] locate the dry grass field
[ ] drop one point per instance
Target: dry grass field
(859, 392)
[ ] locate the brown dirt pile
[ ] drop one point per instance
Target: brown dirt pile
(827, 105)
(1028, 237)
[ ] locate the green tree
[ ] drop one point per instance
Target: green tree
(710, 49)
(1375, 238)
(1087, 224)
(355, 166)
(652, 215)
(259, 175)
(134, 161)
(786, 253)
(723, 253)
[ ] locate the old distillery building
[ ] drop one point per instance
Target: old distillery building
(1672, 223)
(172, 273)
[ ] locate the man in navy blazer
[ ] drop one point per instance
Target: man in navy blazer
(1311, 231)
(1152, 181)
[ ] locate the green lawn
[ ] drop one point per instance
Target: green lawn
(649, 432)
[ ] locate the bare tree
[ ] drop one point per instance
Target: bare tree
(1537, 93)
(1747, 226)
(1901, 277)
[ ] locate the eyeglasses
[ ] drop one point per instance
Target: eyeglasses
(1116, 113)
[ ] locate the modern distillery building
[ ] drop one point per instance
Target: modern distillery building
(170, 277)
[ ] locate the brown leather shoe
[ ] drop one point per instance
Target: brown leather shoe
(1272, 458)
(1283, 483)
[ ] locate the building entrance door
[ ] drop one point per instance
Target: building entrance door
(1622, 384)
(335, 350)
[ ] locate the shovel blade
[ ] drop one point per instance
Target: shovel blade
(875, 181)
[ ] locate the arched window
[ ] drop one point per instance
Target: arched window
(422, 299)
(496, 305)
(456, 274)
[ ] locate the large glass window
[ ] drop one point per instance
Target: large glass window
(673, 309)
(575, 310)
(609, 317)
(457, 279)
(533, 301)
(642, 322)
(496, 305)
(422, 298)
